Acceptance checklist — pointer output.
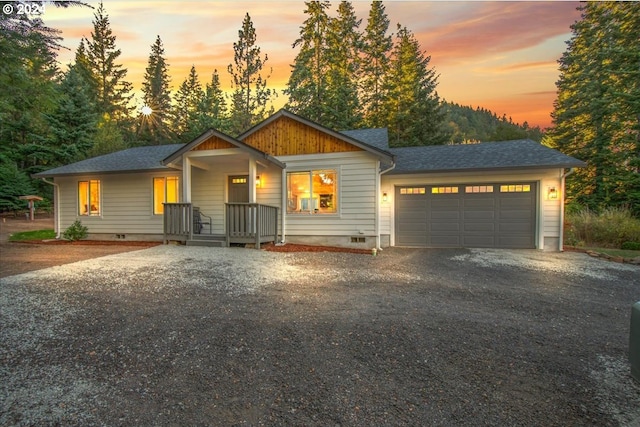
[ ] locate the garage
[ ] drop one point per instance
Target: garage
(500, 215)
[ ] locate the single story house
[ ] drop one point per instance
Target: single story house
(289, 179)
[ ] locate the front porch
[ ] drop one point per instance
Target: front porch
(245, 223)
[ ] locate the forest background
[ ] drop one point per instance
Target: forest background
(349, 73)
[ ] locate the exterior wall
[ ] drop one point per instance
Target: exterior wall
(357, 175)
(549, 211)
(126, 206)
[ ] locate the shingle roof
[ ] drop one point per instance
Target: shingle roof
(137, 159)
(378, 138)
(515, 154)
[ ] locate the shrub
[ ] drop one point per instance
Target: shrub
(609, 229)
(76, 231)
(631, 246)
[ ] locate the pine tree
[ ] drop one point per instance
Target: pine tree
(343, 52)
(112, 91)
(74, 120)
(251, 95)
(413, 112)
(377, 49)
(153, 126)
(185, 111)
(597, 113)
(212, 112)
(307, 85)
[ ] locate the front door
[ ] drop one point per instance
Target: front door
(239, 189)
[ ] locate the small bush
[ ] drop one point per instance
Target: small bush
(631, 246)
(76, 231)
(609, 229)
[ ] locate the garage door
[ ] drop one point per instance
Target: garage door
(473, 216)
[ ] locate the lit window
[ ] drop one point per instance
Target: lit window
(413, 190)
(479, 189)
(238, 180)
(312, 192)
(89, 198)
(165, 190)
(515, 188)
(444, 190)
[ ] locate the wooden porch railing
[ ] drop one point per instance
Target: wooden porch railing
(246, 223)
(251, 223)
(178, 222)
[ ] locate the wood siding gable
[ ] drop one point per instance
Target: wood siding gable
(288, 137)
(213, 143)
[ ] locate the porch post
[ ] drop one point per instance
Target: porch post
(253, 170)
(186, 180)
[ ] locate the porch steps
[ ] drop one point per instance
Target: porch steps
(209, 240)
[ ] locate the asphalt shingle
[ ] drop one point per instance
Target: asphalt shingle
(135, 159)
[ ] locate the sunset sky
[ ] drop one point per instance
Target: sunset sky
(498, 55)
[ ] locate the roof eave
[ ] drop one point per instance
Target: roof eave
(485, 169)
(41, 175)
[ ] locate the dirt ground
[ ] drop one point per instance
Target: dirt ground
(16, 258)
(175, 335)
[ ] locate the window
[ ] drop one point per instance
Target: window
(413, 190)
(479, 189)
(519, 188)
(165, 190)
(444, 190)
(89, 198)
(312, 192)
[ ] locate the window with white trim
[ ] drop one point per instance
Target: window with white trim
(89, 198)
(165, 190)
(312, 192)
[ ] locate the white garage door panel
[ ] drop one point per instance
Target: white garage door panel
(482, 219)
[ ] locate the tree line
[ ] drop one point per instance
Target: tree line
(347, 74)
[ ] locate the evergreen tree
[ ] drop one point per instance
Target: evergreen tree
(377, 49)
(108, 138)
(112, 91)
(153, 126)
(74, 120)
(597, 112)
(343, 52)
(213, 106)
(186, 109)
(307, 86)
(251, 95)
(413, 112)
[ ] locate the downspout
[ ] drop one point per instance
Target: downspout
(562, 188)
(56, 199)
(283, 204)
(377, 218)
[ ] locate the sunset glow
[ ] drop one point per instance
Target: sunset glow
(498, 55)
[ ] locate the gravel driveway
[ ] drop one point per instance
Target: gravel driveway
(176, 335)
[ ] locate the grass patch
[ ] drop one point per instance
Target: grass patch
(25, 236)
(616, 252)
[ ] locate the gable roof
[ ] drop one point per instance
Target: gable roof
(345, 137)
(137, 159)
(224, 137)
(516, 154)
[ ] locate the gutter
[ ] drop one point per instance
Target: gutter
(562, 189)
(56, 207)
(377, 217)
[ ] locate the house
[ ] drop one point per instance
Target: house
(289, 179)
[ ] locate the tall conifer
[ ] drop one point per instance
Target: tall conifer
(154, 126)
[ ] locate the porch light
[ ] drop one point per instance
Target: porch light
(552, 193)
(385, 197)
(258, 182)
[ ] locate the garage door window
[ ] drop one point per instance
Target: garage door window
(478, 189)
(413, 190)
(444, 190)
(515, 188)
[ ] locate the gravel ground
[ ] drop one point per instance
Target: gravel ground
(176, 335)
